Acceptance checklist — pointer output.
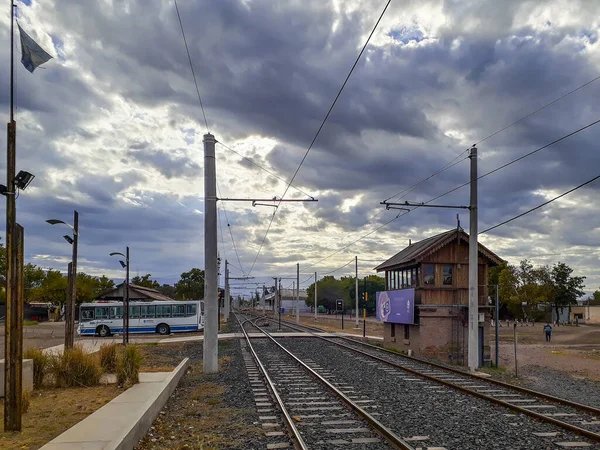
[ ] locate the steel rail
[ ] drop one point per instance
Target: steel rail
(296, 437)
(568, 426)
(378, 427)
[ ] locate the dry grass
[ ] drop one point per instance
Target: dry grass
(41, 365)
(108, 357)
(75, 367)
(53, 411)
(129, 361)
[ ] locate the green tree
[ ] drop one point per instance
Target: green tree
(594, 299)
(567, 288)
(523, 287)
(191, 285)
(33, 278)
(53, 289)
(168, 290)
(89, 287)
(145, 281)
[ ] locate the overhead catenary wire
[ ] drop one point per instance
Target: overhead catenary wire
(191, 66)
(566, 136)
(320, 128)
(538, 110)
(541, 205)
(231, 233)
(265, 169)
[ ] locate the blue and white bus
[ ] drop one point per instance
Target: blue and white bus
(162, 317)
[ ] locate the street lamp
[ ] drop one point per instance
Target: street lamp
(72, 277)
(125, 265)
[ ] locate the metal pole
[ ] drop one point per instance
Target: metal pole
(127, 297)
(278, 288)
(226, 304)
(473, 334)
(72, 299)
(210, 356)
(297, 292)
(356, 287)
(515, 339)
(13, 361)
(316, 296)
(497, 324)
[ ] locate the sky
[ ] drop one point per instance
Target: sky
(112, 127)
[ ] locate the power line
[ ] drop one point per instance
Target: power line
(230, 232)
(517, 159)
(321, 127)
(263, 168)
(539, 206)
(538, 110)
(449, 165)
(191, 66)
(339, 268)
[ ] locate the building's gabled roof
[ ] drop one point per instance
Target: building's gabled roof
(416, 252)
(136, 292)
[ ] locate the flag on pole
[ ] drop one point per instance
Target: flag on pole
(32, 54)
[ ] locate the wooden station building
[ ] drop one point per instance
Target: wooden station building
(436, 270)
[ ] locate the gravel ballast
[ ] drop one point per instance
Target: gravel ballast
(214, 411)
(411, 406)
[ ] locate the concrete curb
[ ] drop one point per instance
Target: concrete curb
(144, 423)
(121, 423)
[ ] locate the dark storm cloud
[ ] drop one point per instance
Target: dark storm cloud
(273, 72)
(168, 164)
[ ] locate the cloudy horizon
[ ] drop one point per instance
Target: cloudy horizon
(112, 127)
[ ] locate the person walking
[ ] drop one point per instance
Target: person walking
(548, 331)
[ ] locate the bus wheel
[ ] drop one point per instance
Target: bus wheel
(103, 331)
(163, 329)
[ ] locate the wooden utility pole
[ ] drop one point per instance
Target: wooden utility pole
(13, 349)
(72, 299)
(69, 319)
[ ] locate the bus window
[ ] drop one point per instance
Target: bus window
(134, 312)
(191, 310)
(147, 311)
(178, 310)
(163, 310)
(116, 312)
(101, 312)
(87, 314)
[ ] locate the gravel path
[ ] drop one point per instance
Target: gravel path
(413, 407)
(207, 411)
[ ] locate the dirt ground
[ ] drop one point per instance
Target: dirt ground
(53, 411)
(49, 334)
(574, 350)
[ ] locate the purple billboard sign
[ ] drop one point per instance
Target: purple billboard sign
(396, 306)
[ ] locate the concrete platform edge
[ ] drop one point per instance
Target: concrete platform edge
(139, 430)
(127, 437)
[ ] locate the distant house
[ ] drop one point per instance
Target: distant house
(136, 293)
(425, 305)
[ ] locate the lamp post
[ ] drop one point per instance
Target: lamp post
(125, 265)
(71, 301)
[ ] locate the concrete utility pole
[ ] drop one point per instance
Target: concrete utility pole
(226, 306)
(315, 296)
(262, 299)
(297, 292)
(473, 353)
(356, 287)
(211, 351)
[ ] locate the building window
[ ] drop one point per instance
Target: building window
(407, 332)
(447, 274)
(413, 277)
(393, 332)
(428, 274)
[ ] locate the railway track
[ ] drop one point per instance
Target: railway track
(317, 413)
(583, 420)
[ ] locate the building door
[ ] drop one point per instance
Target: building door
(480, 347)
